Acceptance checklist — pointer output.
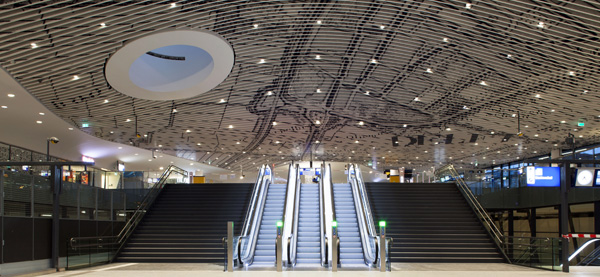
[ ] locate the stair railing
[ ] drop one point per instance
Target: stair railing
(117, 242)
(488, 222)
(328, 177)
(247, 243)
(288, 220)
(368, 234)
(293, 239)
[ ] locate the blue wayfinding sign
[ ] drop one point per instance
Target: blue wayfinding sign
(543, 176)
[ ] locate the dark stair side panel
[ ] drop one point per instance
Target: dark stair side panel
(186, 224)
(431, 223)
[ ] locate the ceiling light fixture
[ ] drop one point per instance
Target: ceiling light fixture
(448, 129)
(404, 125)
(34, 45)
(381, 27)
(39, 122)
(10, 95)
(102, 25)
(71, 129)
(318, 57)
(128, 120)
(445, 40)
(255, 26)
(230, 127)
(429, 70)
(4, 107)
(75, 78)
(361, 123)
(237, 142)
(483, 83)
(274, 123)
(188, 131)
(538, 96)
(356, 141)
(317, 122)
(173, 5)
(416, 99)
(106, 101)
(269, 93)
(374, 61)
(42, 114)
(509, 56)
(541, 25)
(319, 22)
(174, 111)
(318, 90)
(572, 73)
(468, 6)
(317, 141)
(262, 61)
(367, 92)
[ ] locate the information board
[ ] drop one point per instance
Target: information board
(543, 176)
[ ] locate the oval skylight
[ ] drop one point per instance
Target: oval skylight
(170, 65)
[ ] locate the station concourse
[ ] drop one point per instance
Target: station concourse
(299, 137)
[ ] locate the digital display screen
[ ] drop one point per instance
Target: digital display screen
(597, 181)
(543, 176)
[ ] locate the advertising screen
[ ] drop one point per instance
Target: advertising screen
(543, 176)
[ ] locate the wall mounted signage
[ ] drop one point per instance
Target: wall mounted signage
(543, 176)
(87, 159)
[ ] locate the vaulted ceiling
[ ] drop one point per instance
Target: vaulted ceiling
(394, 83)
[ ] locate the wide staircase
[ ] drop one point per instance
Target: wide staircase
(431, 223)
(351, 253)
(264, 254)
(309, 226)
(186, 224)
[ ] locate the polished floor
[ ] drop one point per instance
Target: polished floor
(400, 269)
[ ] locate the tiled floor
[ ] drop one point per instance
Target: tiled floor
(408, 269)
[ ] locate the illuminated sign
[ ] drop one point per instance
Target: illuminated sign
(120, 166)
(87, 159)
(543, 176)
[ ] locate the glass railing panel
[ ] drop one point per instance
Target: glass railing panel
(85, 252)
(42, 197)
(17, 194)
(537, 252)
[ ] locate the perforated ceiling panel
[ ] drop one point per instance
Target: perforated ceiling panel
(395, 83)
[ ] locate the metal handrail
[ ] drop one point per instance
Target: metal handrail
(494, 231)
(137, 216)
(333, 218)
(258, 214)
(322, 215)
(285, 207)
(294, 235)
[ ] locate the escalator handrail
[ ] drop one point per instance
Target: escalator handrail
(333, 218)
(322, 233)
(252, 204)
(248, 258)
(370, 254)
(294, 234)
(365, 199)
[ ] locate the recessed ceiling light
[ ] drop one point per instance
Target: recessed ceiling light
(120, 147)
(416, 99)
(538, 96)
(367, 92)
(71, 129)
(277, 142)
(39, 122)
(237, 142)
(509, 56)
(356, 141)
(42, 114)
(34, 45)
(262, 61)
(572, 73)
(404, 125)
(317, 122)
(429, 70)
(128, 120)
(160, 145)
(468, 6)
(562, 121)
(75, 77)
(361, 123)
(514, 115)
(174, 111)
(526, 126)
(541, 25)
(255, 26)
(448, 129)
(269, 93)
(4, 107)
(381, 27)
(476, 143)
(318, 90)
(585, 91)
(317, 141)
(198, 144)
(492, 132)
(552, 110)
(10, 95)
(106, 101)
(102, 25)
(580, 136)
(374, 61)
(188, 131)
(318, 57)
(173, 5)
(274, 123)
(230, 127)
(222, 101)
(483, 83)
(445, 40)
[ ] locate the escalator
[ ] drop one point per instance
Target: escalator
(264, 255)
